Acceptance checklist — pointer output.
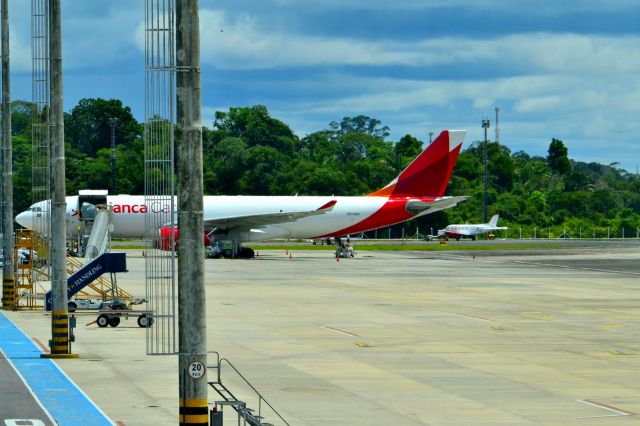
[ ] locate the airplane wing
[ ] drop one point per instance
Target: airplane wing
(440, 203)
(258, 220)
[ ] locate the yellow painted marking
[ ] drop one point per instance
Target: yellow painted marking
(623, 353)
(612, 326)
(545, 316)
(195, 418)
(193, 402)
(62, 348)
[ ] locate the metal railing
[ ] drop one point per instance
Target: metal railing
(261, 398)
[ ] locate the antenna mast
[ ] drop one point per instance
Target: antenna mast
(497, 127)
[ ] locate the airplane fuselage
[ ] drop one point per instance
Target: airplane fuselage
(418, 190)
(349, 215)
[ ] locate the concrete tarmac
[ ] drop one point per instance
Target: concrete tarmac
(18, 403)
(531, 337)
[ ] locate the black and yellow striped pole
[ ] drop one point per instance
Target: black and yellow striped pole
(8, 274)
(60, 333)
(194, 412)
(8, 291)
(60, 347)
(192, 316)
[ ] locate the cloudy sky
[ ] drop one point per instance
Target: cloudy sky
(566, 69)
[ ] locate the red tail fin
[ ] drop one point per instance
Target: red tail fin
(429, 173)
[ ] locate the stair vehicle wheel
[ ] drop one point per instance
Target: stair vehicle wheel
(114, 321)
(72, 306)
(144, 321)
(102, 321)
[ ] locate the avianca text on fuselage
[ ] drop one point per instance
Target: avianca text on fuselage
(155, 207)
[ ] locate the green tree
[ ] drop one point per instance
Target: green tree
(87, 127)
(256, 127)
(359, 124)
(406, 149)
(21, 112)
(558, 158)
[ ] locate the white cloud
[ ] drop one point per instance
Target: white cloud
(538, 104)
(541, 6)
(243, 44)
(19, 52)
(247, 43)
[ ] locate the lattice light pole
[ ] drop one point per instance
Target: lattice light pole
(485, 211)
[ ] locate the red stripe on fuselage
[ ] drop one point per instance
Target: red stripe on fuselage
(392, 212)
(426, 179)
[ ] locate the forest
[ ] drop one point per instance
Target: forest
(246, 151)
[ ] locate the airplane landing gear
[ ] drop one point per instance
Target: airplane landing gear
(246, 253)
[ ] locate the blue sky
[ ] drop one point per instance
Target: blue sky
(566, 69)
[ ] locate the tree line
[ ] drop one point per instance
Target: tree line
(248, 152)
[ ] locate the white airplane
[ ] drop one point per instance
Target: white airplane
(417, 191)
(470, 231)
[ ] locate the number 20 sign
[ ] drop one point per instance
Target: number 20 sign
(196, 370)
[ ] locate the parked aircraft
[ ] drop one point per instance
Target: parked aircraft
(470, 231)
(418, 190)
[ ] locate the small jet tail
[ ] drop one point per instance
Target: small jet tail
(494, 220)
(429, 173)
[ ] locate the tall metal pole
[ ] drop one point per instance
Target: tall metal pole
(497, 126)
(485, 126)
(8, 278)
(112, 123)
(60, 347)
(191, 290)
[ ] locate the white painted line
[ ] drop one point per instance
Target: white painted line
(469, 316)
(606, 407)
(68, 378)
(26, 385)
(339, 331)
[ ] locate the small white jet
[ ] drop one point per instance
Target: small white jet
(470, 231)
(417, 191)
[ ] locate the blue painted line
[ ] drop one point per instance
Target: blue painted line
(60, 396)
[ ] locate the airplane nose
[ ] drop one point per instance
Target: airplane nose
(25, 219)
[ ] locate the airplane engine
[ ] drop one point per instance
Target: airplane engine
(164, 238)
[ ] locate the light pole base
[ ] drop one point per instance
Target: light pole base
(59, 356)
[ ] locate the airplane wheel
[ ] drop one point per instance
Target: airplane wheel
(246, 253)
(473, 238)
(144, 321)
(102, 321)
(457, 238)
(114, 322)
(72, 306)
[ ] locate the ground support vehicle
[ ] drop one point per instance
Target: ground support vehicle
(111, 317)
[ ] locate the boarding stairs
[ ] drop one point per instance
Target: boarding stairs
(102, 287)
(228, 398)
(87, 274)
(95, 248)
